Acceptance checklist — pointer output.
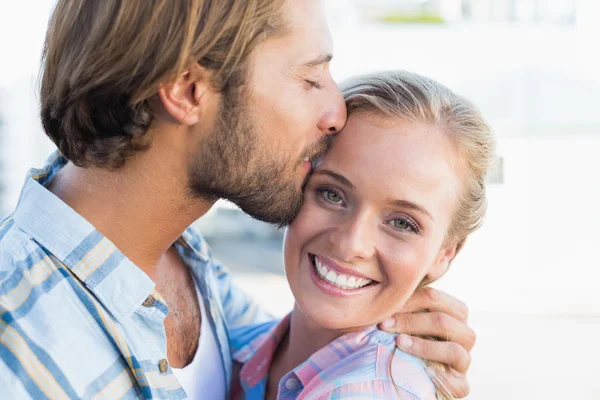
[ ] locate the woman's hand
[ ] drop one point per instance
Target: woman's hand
(443, 318)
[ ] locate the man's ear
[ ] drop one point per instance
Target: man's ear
(183, 97)
(442, 263)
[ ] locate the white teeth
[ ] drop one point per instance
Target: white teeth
(323, 270)
(351, 282)
(331, 276)
(339, 280)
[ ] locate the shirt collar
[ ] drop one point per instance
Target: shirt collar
(119, 285)
(256, 356)
(193, 241)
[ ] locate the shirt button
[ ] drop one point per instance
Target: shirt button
(149, 302)
(163, 365)
(291, 384)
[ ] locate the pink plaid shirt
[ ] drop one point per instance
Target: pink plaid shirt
(354, 366)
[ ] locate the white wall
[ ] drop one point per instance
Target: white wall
(537, 251)
(22, 28)
(24, 144)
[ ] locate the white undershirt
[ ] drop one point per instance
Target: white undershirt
(204, 377)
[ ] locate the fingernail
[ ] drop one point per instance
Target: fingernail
(405, 341)
(388, 323)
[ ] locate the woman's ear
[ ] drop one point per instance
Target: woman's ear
(442, 263)
(183, 97)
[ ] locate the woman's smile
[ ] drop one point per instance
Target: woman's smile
(338, 275)
(335, 280)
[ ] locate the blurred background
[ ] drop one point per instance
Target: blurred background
(531, 274)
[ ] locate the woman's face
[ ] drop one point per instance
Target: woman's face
(374, 220)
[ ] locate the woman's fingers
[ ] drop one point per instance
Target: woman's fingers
(431, 299)
(441, 326)
(435, 314)
(451, 354)
(450, 382)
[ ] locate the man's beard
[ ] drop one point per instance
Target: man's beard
(233, 164)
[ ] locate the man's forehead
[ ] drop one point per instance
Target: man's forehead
(307, 19)
(319, 60)
(307, 43)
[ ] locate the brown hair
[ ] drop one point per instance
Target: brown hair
(411, 97)
(103, 61)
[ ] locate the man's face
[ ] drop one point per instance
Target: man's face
(258, 154)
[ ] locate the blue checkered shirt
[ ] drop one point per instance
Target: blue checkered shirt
(79, 320)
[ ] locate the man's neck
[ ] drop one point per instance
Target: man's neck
(143, 207)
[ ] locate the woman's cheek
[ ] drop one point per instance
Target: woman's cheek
(404, 263)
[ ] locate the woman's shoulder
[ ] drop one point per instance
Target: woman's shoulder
(368, 361)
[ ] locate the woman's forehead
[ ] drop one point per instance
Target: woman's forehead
(395, 156)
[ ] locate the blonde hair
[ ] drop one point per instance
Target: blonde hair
(414, 98)
(103, 61)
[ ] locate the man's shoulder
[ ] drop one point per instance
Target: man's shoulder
(27, 270)
(15, 247)
(27, 275)
(10, 232)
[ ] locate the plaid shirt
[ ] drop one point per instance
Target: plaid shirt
(354, 366)
(79, 320)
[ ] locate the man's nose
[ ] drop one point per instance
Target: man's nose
(334, 116)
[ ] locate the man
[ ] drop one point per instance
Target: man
(158, 109)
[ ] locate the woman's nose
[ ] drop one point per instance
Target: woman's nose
(354, 240)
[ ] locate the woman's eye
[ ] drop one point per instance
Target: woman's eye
(403, 224)
(329, 196)
(332, 196)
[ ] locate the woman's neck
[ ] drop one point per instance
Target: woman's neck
(304, 338)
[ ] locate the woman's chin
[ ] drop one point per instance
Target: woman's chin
(344, 314)
(328, 317)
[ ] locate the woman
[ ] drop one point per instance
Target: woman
(385, 212)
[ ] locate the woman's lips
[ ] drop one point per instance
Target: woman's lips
(336, 275)
(332, 289)
(330, 264)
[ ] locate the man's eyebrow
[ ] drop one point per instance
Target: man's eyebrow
(340, 178)
(318, 61)
(412, 206)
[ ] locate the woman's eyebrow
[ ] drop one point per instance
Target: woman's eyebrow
(412, 206)
(399, 203)
(340, 178)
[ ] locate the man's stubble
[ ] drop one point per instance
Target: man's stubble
(234, 164)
